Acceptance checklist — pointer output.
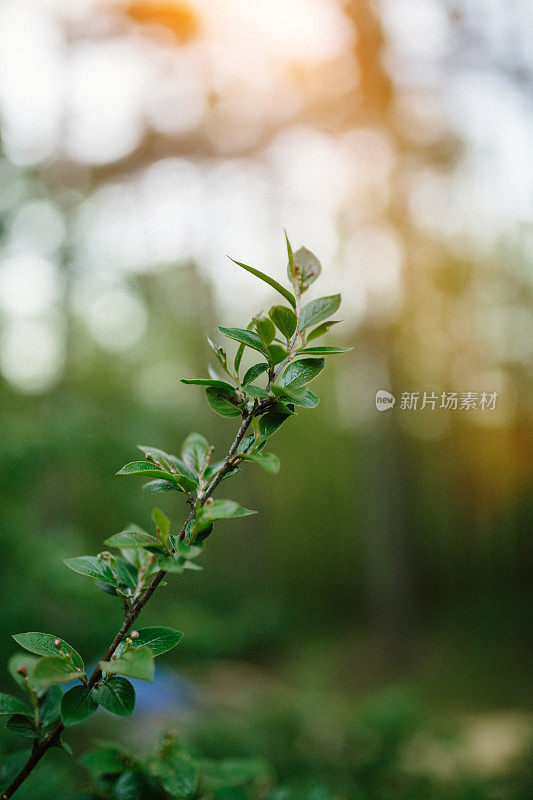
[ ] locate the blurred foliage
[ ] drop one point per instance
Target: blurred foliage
(401, 548)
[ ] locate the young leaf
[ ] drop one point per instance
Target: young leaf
(152, 487)
(221, 404)
(254, 372)
(265, 329)
(162, 524)
(157, 640)
(22, 725)
(299, 373)
(308, 267)
(272, 420)
(43, 644)
(135, 663)
(222, 387)
(116, 695)
(267, 279)
(194, 451)
(12, 705)
(131, 539)
(54, 669)
(93, 567)
(219, 509)
(322, 329)
(319, 309)
(268, 461)
(284, 319)
(321, 351)
(247, 338)
(76, 705)
(291, 267)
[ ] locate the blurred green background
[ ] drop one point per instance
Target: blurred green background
(370, 628)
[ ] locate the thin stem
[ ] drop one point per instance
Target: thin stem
(53, 737)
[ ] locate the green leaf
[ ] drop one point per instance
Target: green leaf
(104, 761)
(307, 400)
(322, 329)
(158, 640)
(134, 537)
(50, 707)
(162, 524)
(21, 660)
(321, 351)
(268, 461)
(173, 564)
(222, 387)
(267, 279)
(287, 394)
(146, 469)
(256, 391)
(187, 551)
(152, 487)
(307, 266)
(221, 404)
(319, 309)
(76, 705)
(22, 725)
(291, 267)
(179, 775)
(194, 451)
(284, 319)
(219, 509)
(135, 663)
(299, 373)
(54, 669)
(232, 772)
(173, 465)
(43, 645)
(11, 766)
(254, 372)
(154, 454)
(277, 354)
(220, 354)
(93, 567)
(132, 785)
(265, 329)
(12, 705)
(247, 338)
(116, 695)
(271, 421)
(127, 575)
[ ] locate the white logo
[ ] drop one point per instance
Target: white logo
(384, 400)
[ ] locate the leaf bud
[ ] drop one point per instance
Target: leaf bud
(134, 635)
(22, 670)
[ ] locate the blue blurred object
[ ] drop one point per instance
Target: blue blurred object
(167, 693)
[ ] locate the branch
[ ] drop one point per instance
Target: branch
(53, 737)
